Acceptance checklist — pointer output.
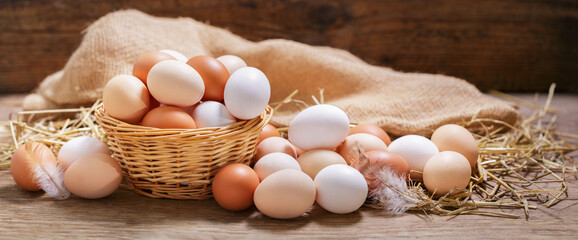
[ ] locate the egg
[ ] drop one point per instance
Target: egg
(447, 171)
(340, 189)
(172, 82)
(93, 176)
(320, 126)
(232, 62)
(285, 194)
(275, 144)
(299, 151)
(268, 131)
(313, 161)
(144, 63)
(21, 167)
(233, 186)
(214, 74)
(212, 114)
(378, 161)
(79, 147)
(177, 55)
(415, 150)
(350, 147)
(274, 162)
(247, 93)
(168, 117)
(373, 130)
(126, 98)
(452, 137)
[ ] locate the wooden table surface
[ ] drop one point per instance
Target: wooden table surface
(127, 215)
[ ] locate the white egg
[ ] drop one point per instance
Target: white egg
(212, 114)
(415, 150)
(320, 126)
(173, 82)
(247, 93)
(274, 162)
(340, 188)
(232, 62)
(177, 55)
(79, 147)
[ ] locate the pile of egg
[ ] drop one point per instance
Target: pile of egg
(317, 164)
(88, 169)
(167, 90)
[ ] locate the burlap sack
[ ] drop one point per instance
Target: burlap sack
(402, 103)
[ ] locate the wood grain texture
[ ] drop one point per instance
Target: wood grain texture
(127, 215)
(517, 45)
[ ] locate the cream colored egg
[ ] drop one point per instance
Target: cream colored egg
(232, 62)
(447, 171)
(126, 98)
(288, 193)
(274, 162)
(352, 144)
(177, 55)
(452, 137)
(275, 144)
(93, 176)
(173, 82)
(313, 161)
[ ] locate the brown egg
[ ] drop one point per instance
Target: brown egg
(348, 149)
(168, 117)
(452, 137)
(268, 131)
(234, 185)
(126, 98)
(143, 65)
(275, 144)
(373, 130)
(93, 176)
(380, 159)
(214, 74)
(446, 171)
(21, 168)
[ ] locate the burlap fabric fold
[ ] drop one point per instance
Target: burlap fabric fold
(402, 103)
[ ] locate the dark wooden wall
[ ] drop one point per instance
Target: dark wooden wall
(514, 45)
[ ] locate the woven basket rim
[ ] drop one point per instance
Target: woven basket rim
(133, 129)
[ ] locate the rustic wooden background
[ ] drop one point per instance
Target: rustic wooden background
(515, 45)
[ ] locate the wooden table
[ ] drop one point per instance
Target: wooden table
(125, 214)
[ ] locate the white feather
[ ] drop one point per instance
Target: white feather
(48, 175)
(50, 179)
(390, 192)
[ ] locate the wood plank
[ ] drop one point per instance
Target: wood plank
(516, 45)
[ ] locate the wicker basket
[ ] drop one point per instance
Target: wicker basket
(177, 163)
